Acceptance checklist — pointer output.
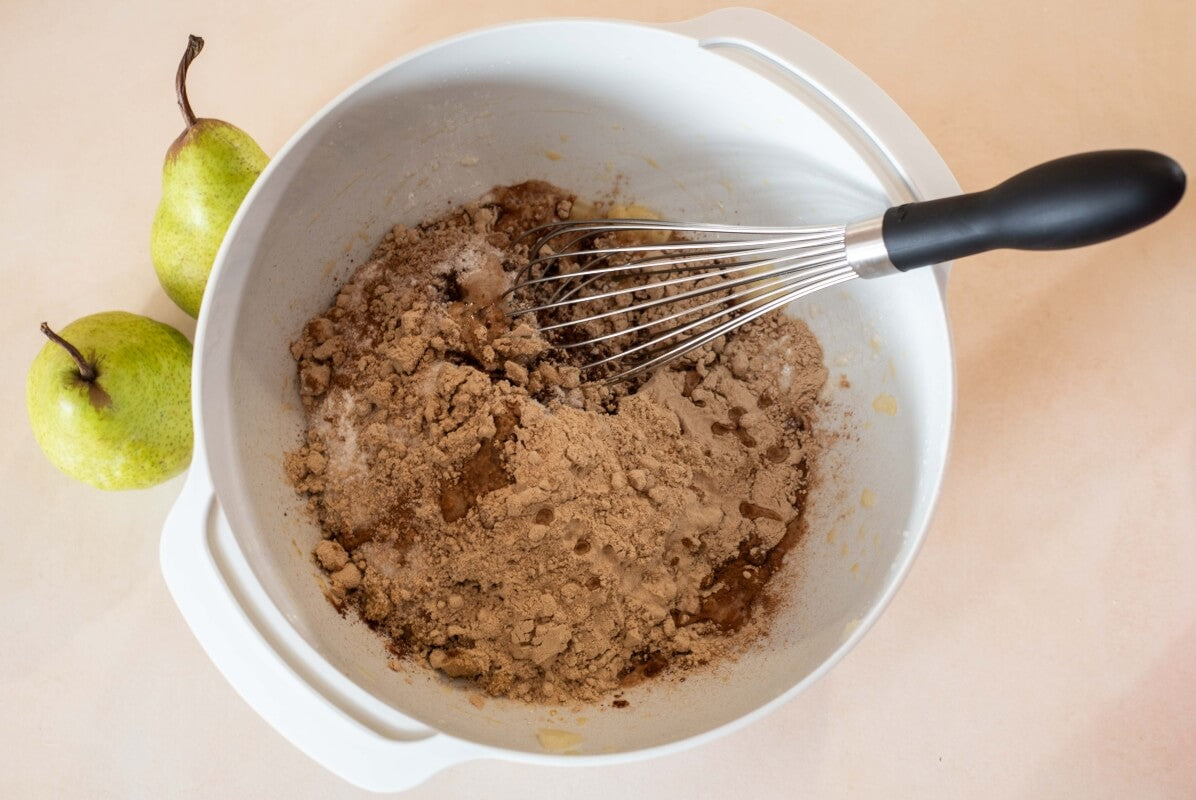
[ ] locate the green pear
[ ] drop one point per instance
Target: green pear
(110, 400)
(208, 171)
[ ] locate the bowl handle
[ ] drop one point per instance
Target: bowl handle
(888, 140)
(286, 681)
(898, 148)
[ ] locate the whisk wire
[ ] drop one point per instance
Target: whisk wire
(750, 271)
(781, 269)
(738, 267)
(659, 261)
(546, 233)
(706, 337)
(660, 265)
(711, 248)
(755, 294)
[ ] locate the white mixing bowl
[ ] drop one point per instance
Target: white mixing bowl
(735, 116)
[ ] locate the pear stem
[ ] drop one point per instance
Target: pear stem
(86, 371)
(194, 45)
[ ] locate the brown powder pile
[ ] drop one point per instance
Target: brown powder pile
(493, 517)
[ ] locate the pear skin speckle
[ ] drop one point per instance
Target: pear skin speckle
(143, 434)
(208, 171)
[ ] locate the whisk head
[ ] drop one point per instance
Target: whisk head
(632, 294)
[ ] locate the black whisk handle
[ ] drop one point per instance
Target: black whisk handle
(1069, 202)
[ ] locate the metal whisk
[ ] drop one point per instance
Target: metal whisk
(656, 290)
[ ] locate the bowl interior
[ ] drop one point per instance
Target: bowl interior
(588, 106)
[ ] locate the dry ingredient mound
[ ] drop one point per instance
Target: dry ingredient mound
(498, 520)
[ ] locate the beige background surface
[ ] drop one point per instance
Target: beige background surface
(1045, 642)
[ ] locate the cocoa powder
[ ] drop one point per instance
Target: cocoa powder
(499, 520)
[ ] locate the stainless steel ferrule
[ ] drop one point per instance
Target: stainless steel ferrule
(865, 249)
